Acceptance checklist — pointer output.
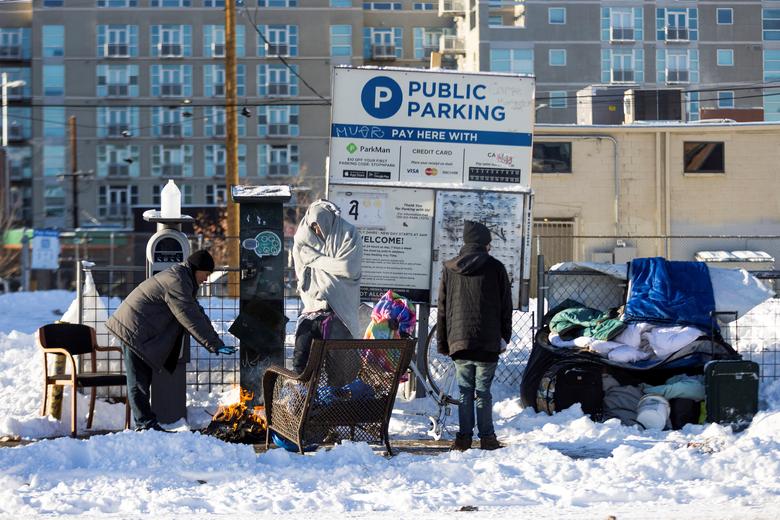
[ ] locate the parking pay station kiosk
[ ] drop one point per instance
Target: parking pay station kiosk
(168, 246)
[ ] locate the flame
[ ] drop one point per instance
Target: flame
(232, 413)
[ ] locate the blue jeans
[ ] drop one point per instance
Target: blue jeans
(474, 379)
(139, 383)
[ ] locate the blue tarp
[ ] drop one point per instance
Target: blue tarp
(670, 293)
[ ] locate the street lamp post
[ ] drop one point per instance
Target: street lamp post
(5, 85)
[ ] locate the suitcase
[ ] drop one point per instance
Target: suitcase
(566, 384)
(731, 389)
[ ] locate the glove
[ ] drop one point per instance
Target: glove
(225, 350)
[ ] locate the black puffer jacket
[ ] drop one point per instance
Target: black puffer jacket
(475, 303)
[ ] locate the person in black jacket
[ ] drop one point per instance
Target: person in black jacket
(474, 319)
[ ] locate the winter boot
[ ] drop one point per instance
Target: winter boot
(461, 443)
(489, 442)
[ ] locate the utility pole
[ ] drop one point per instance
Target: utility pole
(231, 144)
(75, 174)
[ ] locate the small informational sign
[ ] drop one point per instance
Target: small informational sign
(503, 213)
(423, 128)
(45, 249)
(396, 228)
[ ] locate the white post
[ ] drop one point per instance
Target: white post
(5, 109)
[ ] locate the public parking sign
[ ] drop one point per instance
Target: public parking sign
(423, 128)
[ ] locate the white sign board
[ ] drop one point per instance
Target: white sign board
(45, 249)
(396, 227)
(503, 213)
(431, 128)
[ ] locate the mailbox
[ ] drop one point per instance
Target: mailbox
(169, 246)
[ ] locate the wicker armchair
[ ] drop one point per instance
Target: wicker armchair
(347, 391)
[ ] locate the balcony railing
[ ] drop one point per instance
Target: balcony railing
(278, 170)
(451, 44)
(622, 34)
(117, 50)
(10, 52)
(172, 170)
(677, 76)
(170, 130)
(279, 130)
(622, 76)
(171, 50)
(677, 34)
(118, 170)
(118, 90)
(116, 130)
(452, 8)
(171, 89)
(278, 89)
(277, 49)
(383, 52)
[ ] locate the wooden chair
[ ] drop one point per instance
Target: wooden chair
(71, 340)
(347, 391)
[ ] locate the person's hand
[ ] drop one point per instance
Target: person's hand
(224, 350)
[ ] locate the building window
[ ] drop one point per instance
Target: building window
(19, 162)
(725, 99)
(278, 160)
(277, 3)
(281, 121)
(724, 15)
(341, 40)
(117, 201)
(622, 66)
(117, 161)
(53, 160)
(426, 41)
(677, 25)
(704, 157)
(383, 44)
(18, 73)
(117, 41)
(53, 41)
(495, 20)
(171, 41)
(53, 3)
(771, 24)
(557, 57)
(53, 201)
(171, 122)
(215, 161)
(117, 3)
(679, 66)
(621, 24)
(725, 57)
(771, 74)
(172, 80)
(117, 81)
(551, 158)
(556, 15)
(15, 43)
(54, 122)
(520, 61)
(54, 80)
(382, 6)
(117, 122)
(341, 3)
(276, 80)
(170, 3)
(423, 6)
(282, 40)
(214, 122)
(214, 41)
(216, 195)
(19, 123)
(172, 161)
(214, 80)
(558, 99)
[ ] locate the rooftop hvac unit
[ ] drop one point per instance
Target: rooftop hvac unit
(653, 105)
(601, 104)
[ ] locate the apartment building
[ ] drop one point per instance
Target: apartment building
(16, 63)
(717, 51)
(145, 80)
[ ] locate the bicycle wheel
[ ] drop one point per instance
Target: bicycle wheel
(440, 370)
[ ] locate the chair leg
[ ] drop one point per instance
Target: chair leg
(45, 397)
(91, 414)
(127, 413)
(73, 411)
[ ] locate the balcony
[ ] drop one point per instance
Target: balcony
(278, 170)
(451, 44)
(452, 7)
(279, 130)
(278, 89)
(677, 76)
(118, 170)
(171, 50)
(277, 49)
(429, 49)
(621, 34)
(170, 130)
(172, 170)
(677, 34)
(218, 50)
(11, 52)
(171, 89)
(622, 76)
(118, 90)
(117, 129)
(383, 52)
(117, 50)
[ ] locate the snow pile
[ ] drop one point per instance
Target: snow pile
(564, 466)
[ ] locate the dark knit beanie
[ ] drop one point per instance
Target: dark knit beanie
(201, 261)
(475, 233)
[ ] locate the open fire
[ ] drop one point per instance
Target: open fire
(238, 422)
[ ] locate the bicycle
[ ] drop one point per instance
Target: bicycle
(438, 382)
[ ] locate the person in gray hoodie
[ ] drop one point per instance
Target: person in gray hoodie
(474, 324)
(151, 323)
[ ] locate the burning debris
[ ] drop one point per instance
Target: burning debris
(238, 423)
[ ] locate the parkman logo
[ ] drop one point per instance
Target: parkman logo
(351, 147)
(381, 97)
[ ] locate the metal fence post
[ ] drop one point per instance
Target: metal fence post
(540, 291)
(423, 315)
(26, 261)
(79, 292)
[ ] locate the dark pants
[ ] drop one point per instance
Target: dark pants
(474, 378)
(319, 325)
(139, 383)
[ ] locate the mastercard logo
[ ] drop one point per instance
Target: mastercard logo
(430, 172)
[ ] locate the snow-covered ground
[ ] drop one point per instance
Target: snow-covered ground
(563, 466)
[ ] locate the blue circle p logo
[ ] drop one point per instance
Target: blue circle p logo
(381, 97)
